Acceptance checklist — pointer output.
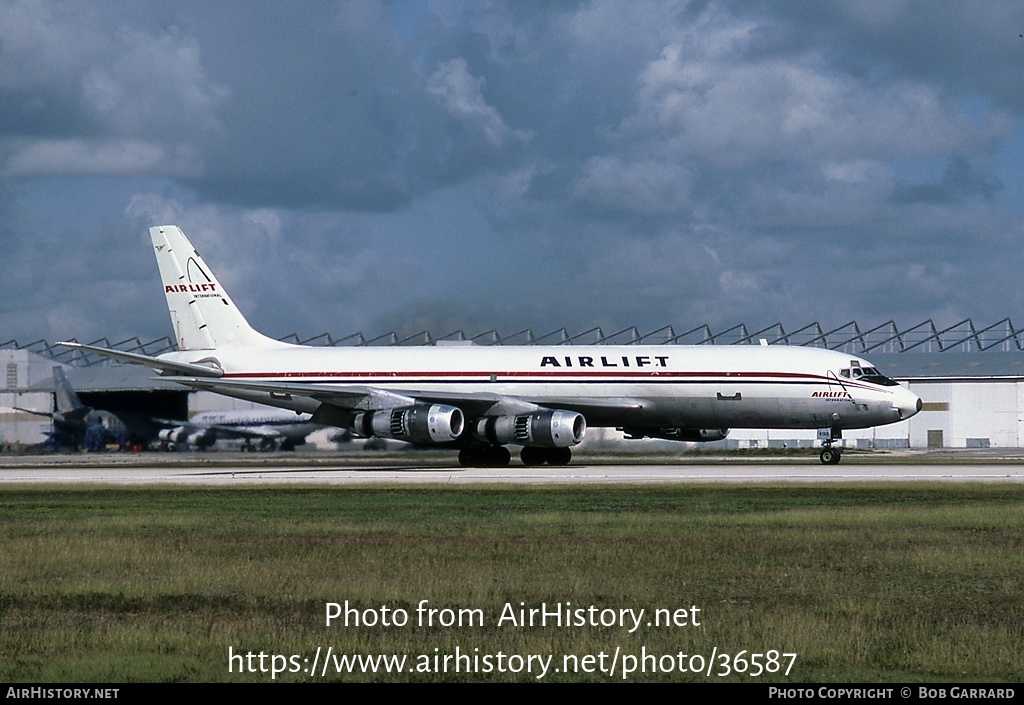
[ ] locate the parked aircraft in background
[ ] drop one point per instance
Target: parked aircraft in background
(269, 429)
(481, 398)
(76, 425)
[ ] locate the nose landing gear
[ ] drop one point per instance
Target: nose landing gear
(827, 436)
(829, 456)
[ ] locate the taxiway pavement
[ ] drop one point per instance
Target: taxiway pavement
(291, 469)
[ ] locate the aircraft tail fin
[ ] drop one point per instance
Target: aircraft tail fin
(68, 403)
(203, 315)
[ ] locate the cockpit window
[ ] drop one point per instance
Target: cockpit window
(875, 377)
(867, 374)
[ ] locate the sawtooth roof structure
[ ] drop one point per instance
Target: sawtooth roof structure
(925, 350)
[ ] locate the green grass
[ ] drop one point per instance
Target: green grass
(863, 583)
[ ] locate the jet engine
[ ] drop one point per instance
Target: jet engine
(545, 429)
(173, 435)
(436, 423)
(693, 435)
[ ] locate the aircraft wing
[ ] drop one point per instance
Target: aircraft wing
(351, 398)
(47, 414)
(355, 398)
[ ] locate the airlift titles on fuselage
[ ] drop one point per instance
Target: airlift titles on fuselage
(603, 361)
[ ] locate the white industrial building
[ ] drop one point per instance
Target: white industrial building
(23, 370)
(971, 379)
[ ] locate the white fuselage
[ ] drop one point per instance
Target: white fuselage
(685, 386)
(482, 398)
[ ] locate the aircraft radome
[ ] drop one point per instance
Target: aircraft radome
(479, 399)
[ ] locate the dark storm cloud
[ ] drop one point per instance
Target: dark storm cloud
(332, 107)
(358, 165)
(964, 47)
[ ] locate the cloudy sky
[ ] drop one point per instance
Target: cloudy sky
(371, 166)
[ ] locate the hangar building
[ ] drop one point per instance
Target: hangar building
(970, 378)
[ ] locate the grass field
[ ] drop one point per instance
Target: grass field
(862, 583)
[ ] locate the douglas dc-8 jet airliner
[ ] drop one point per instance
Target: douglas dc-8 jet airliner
(481, 398)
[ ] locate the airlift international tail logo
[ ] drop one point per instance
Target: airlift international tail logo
(196, 276)
(189, 288)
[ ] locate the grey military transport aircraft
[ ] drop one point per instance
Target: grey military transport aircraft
(78, 426)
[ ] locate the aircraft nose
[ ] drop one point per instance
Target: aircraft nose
(907, 403)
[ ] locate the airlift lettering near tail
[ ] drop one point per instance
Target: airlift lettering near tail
(479, 399)
(189, 288)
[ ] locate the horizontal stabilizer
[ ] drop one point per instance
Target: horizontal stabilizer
(164, 367)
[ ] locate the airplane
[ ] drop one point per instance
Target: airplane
(480, 399)
(272, 428)
(79, 426)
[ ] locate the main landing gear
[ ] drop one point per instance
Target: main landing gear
(538, 456)
(484, 457)
(500, 456)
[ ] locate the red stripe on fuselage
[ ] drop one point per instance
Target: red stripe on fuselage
(551, 375)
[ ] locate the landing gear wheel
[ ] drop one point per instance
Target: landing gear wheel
(487, 457)
(498, 456)
(830, 456)
(531, 456)
(559, 456)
